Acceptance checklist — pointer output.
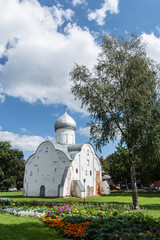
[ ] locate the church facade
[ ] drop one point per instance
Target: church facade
(63, 168)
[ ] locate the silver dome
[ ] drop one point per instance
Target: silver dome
(65, 121)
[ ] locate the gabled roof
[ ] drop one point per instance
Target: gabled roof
(69, 150)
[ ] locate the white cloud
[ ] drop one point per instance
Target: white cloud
(23, 130)
(39, 57)
(2, 95)
(23, 142)
(50, 138)
(84, 131)
(61, 15)
(100, 14)
(152, 46)
(78, 2)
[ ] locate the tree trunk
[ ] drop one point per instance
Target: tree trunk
(134, 183)
(127, 188)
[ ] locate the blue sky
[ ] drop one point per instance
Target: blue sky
(39, 43)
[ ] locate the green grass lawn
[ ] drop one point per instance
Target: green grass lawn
(25, 228)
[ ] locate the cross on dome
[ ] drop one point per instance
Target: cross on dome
(66, 108)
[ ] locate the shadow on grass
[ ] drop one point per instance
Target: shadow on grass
(10, 196)
(146, 206)
(142, 194)
(151, 206)
(149, 194)
(28, 231)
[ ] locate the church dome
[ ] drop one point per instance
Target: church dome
(65, 121)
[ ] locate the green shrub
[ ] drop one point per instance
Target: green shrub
(5, 201)
(128, 226)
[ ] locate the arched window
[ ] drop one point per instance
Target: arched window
(46, 149)
(42, 191)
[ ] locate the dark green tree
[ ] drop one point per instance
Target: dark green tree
(105, 166)
(11, 167)
(120, 95)
(119, 166)
(149, 152)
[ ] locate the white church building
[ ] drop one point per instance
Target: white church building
(63, 168)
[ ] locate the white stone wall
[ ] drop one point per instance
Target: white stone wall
(84, 166)
(46, 168)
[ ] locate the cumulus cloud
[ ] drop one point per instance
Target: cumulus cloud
(41, 45)
(100, 14)
(23, 142)
(78, 2)
(84, 131)
(152, 46)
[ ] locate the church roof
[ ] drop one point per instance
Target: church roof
(65, 121)
(69, 150)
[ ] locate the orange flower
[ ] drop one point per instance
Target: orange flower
(68, 229)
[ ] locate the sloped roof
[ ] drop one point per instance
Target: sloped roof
(69, 150)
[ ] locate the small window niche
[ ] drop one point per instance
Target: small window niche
(46, 149)
(76, 170)
(88, 152)
(90, 173)
(86, 173)
(87, 162)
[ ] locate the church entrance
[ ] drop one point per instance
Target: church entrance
(42, 191)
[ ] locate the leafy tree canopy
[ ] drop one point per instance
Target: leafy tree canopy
(121, 95)
(11, 166)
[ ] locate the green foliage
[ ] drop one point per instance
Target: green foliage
(119, 165)
(105, 166)
(11, 167)
(121, 95)
(128, 226)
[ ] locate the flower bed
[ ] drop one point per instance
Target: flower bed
(98, 224)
